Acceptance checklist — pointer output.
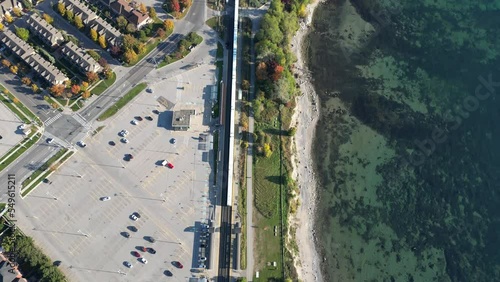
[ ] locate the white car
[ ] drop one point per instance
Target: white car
(128, 264)
(133, 217)
(203, 259)
(22, 126)
(143, 260)
(104, 199)
(123, 133)
(81, 144)
(50, 140)
(124, 140)
(134, 122)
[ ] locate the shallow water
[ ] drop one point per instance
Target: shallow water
(406, 145)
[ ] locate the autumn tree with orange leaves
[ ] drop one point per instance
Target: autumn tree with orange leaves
(57, 90)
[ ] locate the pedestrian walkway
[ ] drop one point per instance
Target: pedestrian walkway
(81, 120)
(52, 119)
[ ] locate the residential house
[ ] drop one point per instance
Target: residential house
(79, 9)
(129, 11)
(46, 32)
(91, 19)
(24, 51)
(80, 58)
(7, 5)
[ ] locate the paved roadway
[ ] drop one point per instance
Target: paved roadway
(70, 128)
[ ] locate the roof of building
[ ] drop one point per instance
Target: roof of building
(104, 28)
(80, 57)
(44, 29)
(7, 273)
(182, 118)
(122, 7)
(137, 18)
(28, 54)
(79, 9)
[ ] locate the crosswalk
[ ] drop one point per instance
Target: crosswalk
(52, 119)
(81, 120)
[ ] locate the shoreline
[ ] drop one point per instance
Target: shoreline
(306, 111)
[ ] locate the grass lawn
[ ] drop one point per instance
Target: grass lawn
(21, 106)
(266, 200)
(76, 106)
(123, 101)
(103, 85)
(220, 51)
(176, 55)
(4, 162)
(43, 167)
(217, 24)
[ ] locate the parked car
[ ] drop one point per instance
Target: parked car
(104, 199)
(150, 239)
(134, 122)
(149, 90)
(151, 250)
(172, 140)
(203, 259)
(81, 144)
(124, 140)
(177, 264)
(126, 234)
(136, 254)
(128, 264)
(156, 112)
(132, 228)
(168, 273)
(123, 133)
(50, 140)
(133, 217)
(138, 118)
(170, 165)
(112, 143)
(138, 215)
(148, 118)
(143, 260)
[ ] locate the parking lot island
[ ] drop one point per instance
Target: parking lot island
(122, 101)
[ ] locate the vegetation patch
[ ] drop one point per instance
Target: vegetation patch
(183, 49)
(103, 85)
(122, 101)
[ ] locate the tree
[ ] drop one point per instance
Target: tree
(92, 77)
(129, 42)
(5, 91)
(267, 150)
(15, 100)
(94, 55)
(93, 34)
(152, 13)
(129, 56)
(277, 72)
(122, 22)
(84, 85)
(27, 4)
(61, 9)
(141, 48)
(131, 28)
(86, 94)
(143, 36)
(6, 63)
(34, 87)
(245, 85)
(175, 6)
(142, 8)
(169, 25)
(79, 22)
(22, 33)
(75, 89)
(1, 26)
(26, 80)
(108, 73)
(185, 4)
(102, 41)
(57, 90)
(261, 71)
(292, 131)
(70, 15)
(48, 18)
(103, 62)
(8, 18)
(161, 32)
(115, 50)
(17, 11)
(302, 11)
(13, 69)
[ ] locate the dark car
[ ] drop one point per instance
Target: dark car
(156, 112)
(112, 143)
(177, 264)
(126, 234)
(150, 239)
(132, 228)
(137, 214)
(138, 118)
(168, 273)
(148, 118)
(151, 250)
(128, 157)
(136, 254)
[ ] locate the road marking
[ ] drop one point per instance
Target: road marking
(52, 119)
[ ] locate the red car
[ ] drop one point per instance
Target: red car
(136, 254)
(177, 264)
(170, 165)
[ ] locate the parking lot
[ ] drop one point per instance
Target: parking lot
(68, 219)
(9, 130)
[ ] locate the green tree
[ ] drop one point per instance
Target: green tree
(122, 22)
(27, 4)
(131, 28)
(129, 42)
(152, 13)
(48, 18)
(94, 54)
(22, 33)
(61, 9)
(70, 16)
(267, 150)
(78, 22)
(141, 48)
(270, 29)
(93, 34)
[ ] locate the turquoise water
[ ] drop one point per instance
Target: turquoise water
(409, 164)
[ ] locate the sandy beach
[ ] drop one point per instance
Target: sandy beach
(305, 119)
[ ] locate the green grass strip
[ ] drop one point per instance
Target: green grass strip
(103, 85)
(4, 162)
(123, 101)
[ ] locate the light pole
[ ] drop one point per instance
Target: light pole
(84, 234)
(50, 195)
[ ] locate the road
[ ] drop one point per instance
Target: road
(68, 127)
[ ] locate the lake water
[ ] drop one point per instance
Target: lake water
(407, 146)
